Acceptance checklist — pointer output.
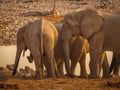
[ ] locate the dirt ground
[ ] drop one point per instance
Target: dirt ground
(12, 18)
(60, 84)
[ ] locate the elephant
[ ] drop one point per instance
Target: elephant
(40, 40)
(79, 45)
(98, 30)
(78, 49)
(115, 64)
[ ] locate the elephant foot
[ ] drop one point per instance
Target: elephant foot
(37, 77)
(47, 76)
(115, 76)
(94, 76)
(29, 59)
(59, 76)
(83, 76)
(62, 75)
(73, 76)
(107, 76)
(69, 75)
(51, 76)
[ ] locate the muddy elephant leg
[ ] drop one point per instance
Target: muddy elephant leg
(37, 59)
(82, 62)
(60, 67)
(51, 66)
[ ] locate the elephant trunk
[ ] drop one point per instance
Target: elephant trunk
(66, 56)
(65, 49)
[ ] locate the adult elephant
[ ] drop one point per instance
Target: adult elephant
(102, 34)
(78, 49)
(115, 64)
(77, 55)
(40, 40)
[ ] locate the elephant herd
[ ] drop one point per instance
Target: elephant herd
(78, 33)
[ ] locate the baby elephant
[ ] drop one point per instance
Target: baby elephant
(115, 64)
(40, 38)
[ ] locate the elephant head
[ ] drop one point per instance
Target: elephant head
(84, 23)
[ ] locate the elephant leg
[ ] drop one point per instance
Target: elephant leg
(95, 52)
(37, 59)
(101, 60)
(83, 66)
(20, 47)
(56, 69)
(116, 70)
(113, 63)
(18, 54)
(46, 66)
(94, 66)
(51, 64)
(73, 66)
(105, 67)
(60, 68)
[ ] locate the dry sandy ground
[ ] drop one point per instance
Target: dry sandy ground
(60, 84)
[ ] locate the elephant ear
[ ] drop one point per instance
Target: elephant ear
(91, 23)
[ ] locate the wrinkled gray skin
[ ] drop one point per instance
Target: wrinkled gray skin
(40, 40)
(78, 49)
(102, 33)
(115, 64)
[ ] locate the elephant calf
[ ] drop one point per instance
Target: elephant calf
(40, 38)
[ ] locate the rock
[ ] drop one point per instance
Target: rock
(27, 72)
(5, 72)
(9, 86)
(1, 68)
(21, 70)
(10, 67)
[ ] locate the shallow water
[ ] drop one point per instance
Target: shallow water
(7, 56)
